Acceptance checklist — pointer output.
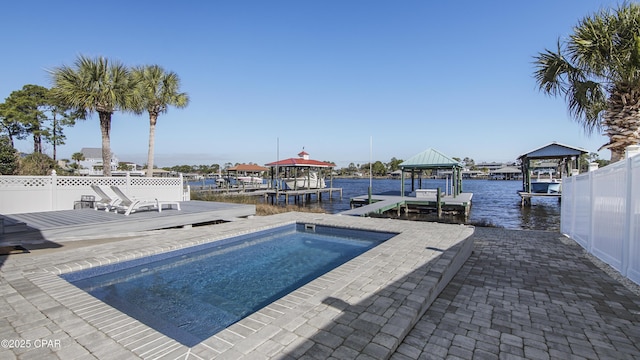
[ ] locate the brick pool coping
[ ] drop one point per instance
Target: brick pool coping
(363, 308)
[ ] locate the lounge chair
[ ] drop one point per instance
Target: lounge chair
(105, 202)
(129, 205)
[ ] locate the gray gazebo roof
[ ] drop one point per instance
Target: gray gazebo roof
(506, 170)
(430, 159)
(554, 150)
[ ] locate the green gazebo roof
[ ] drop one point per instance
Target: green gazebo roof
(430, 159)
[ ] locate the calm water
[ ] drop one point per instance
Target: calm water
(495, 202)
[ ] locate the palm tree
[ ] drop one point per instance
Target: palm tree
(96, 85)
(158, 89)
(598, 71)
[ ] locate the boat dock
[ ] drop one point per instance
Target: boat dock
(228, 189)
(273, 196)
(426, 202)
(299, 196)
(525, 197)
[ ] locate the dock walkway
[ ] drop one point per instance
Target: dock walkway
(273, 196)
(383, 203)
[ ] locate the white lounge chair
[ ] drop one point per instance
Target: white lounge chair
(129, 205)
(105, 202)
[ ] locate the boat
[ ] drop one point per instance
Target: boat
(546, 186)
(310, 181)
(250, 180)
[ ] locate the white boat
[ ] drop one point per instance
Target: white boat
(306, 182)
(546, 186)
(250, 180)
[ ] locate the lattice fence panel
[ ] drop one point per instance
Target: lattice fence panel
(46, 193)
(135, 181)
(85, 181)
(25, 181)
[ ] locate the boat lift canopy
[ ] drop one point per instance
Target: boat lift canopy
(301, 162)
(433, 159)
(567, 155)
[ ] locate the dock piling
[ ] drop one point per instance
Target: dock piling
(439, 203)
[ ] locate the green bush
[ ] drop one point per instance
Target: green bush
(8, 157)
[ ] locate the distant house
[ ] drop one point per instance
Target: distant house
(489, 165)
(395, 174)
(506, 173)
(92, 163)
(472, 174)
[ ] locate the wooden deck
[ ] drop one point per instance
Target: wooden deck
(382, 203)
(70, 224)
(272, 196)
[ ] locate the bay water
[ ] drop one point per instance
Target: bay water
(494, 203)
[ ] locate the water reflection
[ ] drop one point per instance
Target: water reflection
(543, 214)
(495, 203)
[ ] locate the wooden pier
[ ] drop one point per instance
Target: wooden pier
(272, 196)
(212, 189)
(382, 203)
(298, 196)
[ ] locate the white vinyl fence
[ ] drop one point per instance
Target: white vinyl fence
(601, 211)
(22, 194)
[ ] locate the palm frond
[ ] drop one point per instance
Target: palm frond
(553, 72)
(587, 101)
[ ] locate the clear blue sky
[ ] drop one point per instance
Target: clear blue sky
(331, 76)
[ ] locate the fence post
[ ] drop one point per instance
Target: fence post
(572, 227)
(185, 195)
(631, 151)
(54, 190)
(591, 211)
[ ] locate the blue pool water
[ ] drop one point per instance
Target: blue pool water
(193, 293)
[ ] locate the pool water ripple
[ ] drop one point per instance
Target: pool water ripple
(193, 296)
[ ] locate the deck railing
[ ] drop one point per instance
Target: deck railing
(601, 212)
(22, 194)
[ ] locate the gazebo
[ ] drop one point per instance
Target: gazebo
(567, 158)
(247, 169)
(302, 165)
(432, 159)
(247, 174)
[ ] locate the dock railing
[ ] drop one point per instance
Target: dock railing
(23, 194)
(601, 212)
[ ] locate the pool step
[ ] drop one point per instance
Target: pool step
(374, 324)
(429, 282)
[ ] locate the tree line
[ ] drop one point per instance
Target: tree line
(91, 85)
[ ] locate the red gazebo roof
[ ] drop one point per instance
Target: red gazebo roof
(300, 162)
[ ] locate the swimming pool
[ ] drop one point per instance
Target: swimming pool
(193, 293)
